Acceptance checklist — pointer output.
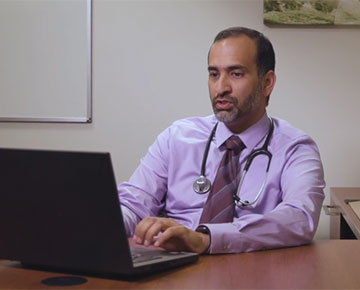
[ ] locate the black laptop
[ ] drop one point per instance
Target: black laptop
(60, 209)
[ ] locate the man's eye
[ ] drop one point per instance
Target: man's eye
(213, 74)
(237, 74)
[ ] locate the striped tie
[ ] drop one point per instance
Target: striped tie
(219, 207)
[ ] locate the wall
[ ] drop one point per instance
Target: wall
(149, 69)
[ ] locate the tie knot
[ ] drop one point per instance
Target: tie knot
(234, 143)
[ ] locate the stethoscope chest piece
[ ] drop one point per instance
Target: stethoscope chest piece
(202, 185)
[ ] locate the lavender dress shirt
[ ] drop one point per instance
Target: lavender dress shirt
(287, 212)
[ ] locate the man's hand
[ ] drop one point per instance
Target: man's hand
(170, 235)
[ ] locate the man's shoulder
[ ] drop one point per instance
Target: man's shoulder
(187, 129)
(194, 124)
(286, 133)
(286, 129)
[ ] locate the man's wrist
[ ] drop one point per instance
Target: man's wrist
(205, 230)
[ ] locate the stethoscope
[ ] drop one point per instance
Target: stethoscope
(202, 185)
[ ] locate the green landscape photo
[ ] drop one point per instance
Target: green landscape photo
(312, 12)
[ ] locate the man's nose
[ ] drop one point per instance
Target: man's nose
(223, 86)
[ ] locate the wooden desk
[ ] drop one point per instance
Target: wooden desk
(327, 264)
(345, 224)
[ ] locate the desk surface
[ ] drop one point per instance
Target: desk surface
(327, 264)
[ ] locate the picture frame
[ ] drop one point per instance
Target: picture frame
(312, 12)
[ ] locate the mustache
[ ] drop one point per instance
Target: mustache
(226, 97)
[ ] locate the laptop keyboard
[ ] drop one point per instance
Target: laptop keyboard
(144, 255)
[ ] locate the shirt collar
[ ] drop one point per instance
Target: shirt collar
(250, 137)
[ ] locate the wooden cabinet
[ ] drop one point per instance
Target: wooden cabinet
(344, 223)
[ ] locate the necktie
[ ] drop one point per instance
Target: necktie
(219, 207)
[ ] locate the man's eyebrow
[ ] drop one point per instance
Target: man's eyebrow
(230, 68)
(212, 68)
(238, 66)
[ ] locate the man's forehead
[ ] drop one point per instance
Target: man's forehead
(239, 40)
(239, 50)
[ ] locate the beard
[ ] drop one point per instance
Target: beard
(238, 111)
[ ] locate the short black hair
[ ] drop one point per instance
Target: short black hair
(265, 55)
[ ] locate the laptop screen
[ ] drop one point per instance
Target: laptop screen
(61, 209)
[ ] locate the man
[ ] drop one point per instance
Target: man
(159, 203)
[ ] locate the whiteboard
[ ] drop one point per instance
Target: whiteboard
(45, 61)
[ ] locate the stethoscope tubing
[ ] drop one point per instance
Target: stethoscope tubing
(202, 185)
(207, 148)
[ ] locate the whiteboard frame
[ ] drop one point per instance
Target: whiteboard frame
(88, 117)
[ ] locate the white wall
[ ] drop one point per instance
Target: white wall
(149, 69)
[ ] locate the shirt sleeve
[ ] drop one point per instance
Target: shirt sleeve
(293, 221)
(143, 195)
(130, 220)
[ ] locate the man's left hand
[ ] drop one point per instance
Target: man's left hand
(170, 235)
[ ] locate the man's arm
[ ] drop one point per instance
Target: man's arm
(293, 221)
(130, 220)
(142, 196)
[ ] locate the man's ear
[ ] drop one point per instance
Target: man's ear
(268, 82)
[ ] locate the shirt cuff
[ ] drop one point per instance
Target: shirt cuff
(222, 238)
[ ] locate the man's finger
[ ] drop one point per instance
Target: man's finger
(176, 233)
(152, 232)
(150, 227)
(142, 228)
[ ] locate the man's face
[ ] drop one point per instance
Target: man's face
(236, 92)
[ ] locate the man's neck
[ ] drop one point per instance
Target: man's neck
(243, 124)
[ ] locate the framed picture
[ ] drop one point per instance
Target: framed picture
(312, 12)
